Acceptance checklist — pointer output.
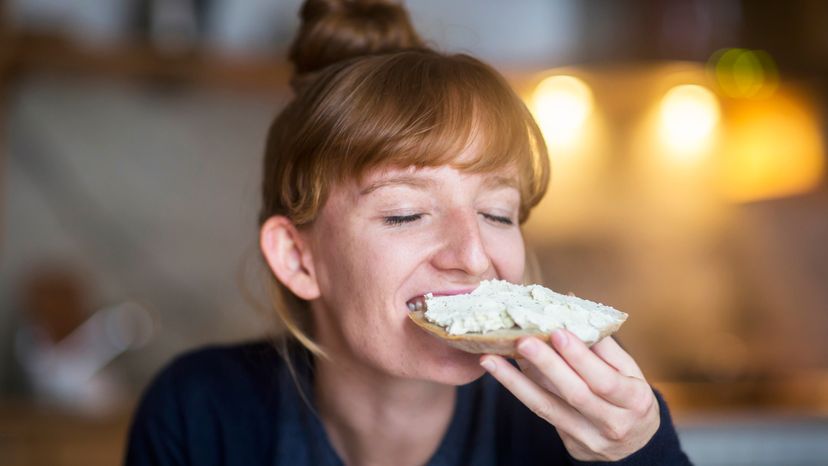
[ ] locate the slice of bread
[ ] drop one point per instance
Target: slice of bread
(466, 321)
(494, 342)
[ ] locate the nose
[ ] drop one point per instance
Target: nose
(462, 248)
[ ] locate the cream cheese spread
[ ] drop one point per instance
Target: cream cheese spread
(498, 305)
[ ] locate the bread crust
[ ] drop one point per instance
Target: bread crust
(500, 342)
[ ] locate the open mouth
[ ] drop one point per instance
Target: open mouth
(416, 304)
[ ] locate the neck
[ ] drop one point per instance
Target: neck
(373, 418)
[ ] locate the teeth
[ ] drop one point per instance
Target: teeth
(417, 304)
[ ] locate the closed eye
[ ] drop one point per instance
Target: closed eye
(401, 219)
(498, 219)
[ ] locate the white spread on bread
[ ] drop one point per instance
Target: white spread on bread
(497, 304)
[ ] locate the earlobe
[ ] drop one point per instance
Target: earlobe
(284, 252)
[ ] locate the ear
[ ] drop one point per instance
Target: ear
(288, 256)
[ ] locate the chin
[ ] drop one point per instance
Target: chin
(458, 378)
(454, 367)
(435, 361)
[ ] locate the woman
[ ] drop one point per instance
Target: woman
(396, 171)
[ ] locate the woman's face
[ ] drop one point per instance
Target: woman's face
(397, 235)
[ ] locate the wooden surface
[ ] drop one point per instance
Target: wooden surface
(22, 53)
(39, 436)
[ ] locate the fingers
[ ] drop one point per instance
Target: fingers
(601, 378)
(597, 399)
(610, 351)
(533, 373)
(544, 404)
(570, 385)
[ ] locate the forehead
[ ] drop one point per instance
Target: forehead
(426, 177)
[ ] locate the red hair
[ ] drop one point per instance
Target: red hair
(371, 96)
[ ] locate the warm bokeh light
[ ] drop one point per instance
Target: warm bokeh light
(742, 73)
(576, 133)
(561, 105)
(773, 148)
(688, 117)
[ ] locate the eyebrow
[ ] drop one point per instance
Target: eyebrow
(405, 180)
(501, 182)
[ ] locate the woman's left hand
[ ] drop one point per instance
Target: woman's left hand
(597, 399)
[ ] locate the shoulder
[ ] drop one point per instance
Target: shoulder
(238, 375)
(231, 356)
(222, 365)
(206, 394)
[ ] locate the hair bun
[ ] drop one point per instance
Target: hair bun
(336, 30)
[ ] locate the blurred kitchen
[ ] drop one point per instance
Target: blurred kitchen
(688, 143)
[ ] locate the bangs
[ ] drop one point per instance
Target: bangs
(420, 109)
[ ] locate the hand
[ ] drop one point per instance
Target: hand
(597, 399)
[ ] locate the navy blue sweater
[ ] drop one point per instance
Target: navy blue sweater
(239, 405)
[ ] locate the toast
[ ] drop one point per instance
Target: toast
(494, 316)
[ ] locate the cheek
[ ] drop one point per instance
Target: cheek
(358, 272)
(508, 255)
(378, 262)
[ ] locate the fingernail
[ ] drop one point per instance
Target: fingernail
(560, 339)
(527, 347)
(489, 365)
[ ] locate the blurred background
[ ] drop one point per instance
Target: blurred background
(687, 140)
